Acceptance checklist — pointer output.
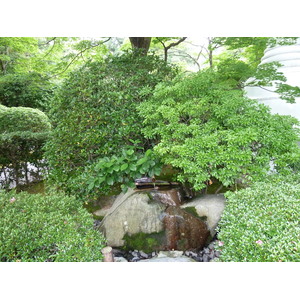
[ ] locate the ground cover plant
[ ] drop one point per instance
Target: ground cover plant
(262, 223)
(49, 227)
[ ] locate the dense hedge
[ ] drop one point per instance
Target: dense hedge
(94, 114)
(262, 223)
(50, 227)
(23, 133)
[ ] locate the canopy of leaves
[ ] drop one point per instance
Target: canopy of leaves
(206, 128)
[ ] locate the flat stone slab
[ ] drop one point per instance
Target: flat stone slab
(168, 259)
(169, 256)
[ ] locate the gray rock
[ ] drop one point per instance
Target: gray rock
(171, 254)
(205, 258)
(209, 206)
(120, 259)
(211, 246)
(131, 213)
(193, 254)
(169, 259)
(143, 254)
(134, 259)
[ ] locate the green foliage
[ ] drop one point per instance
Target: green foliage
(94, 114)
(206, 128)
(51, 227)
(261, 223)
(99, 177)
(22, 119)
(29, 90)
(16, 54)
(23, 132)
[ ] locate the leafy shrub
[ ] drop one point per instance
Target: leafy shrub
(205, 127)
(261, 223)
(94, 114)
(50, 227)
(23, 133)
(115, 170)
(29, 90)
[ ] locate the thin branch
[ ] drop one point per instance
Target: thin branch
(166, 48)
(176, 43)
(80, 53)
(48, 42)
(260, 87)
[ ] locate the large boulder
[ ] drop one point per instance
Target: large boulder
(183, 230)
(210, 207)
(149, 220)
(132, 213)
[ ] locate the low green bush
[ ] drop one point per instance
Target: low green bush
(51, 227)
(23, 133)
(262, 223)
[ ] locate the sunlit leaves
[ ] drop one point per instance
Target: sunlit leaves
(206, 128)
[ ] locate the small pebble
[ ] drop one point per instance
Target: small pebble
(205, 258)
(134, 259)
(143, 254)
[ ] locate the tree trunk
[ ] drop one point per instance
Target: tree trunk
(142, 43)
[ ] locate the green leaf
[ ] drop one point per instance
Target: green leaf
(130, 151)
(141, 161)
(91, 186)
(148, 152)
(110, 181)
(124, 167)
(116, 168)
(133, 167)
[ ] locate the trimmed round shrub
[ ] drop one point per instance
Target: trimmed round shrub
(42, 228)
(261, 223)
(23, 133)
(94, 114)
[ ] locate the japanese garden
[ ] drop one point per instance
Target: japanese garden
(149, 149)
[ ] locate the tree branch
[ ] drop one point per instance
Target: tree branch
(78, 54)
(176, 43)
(166, 48)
